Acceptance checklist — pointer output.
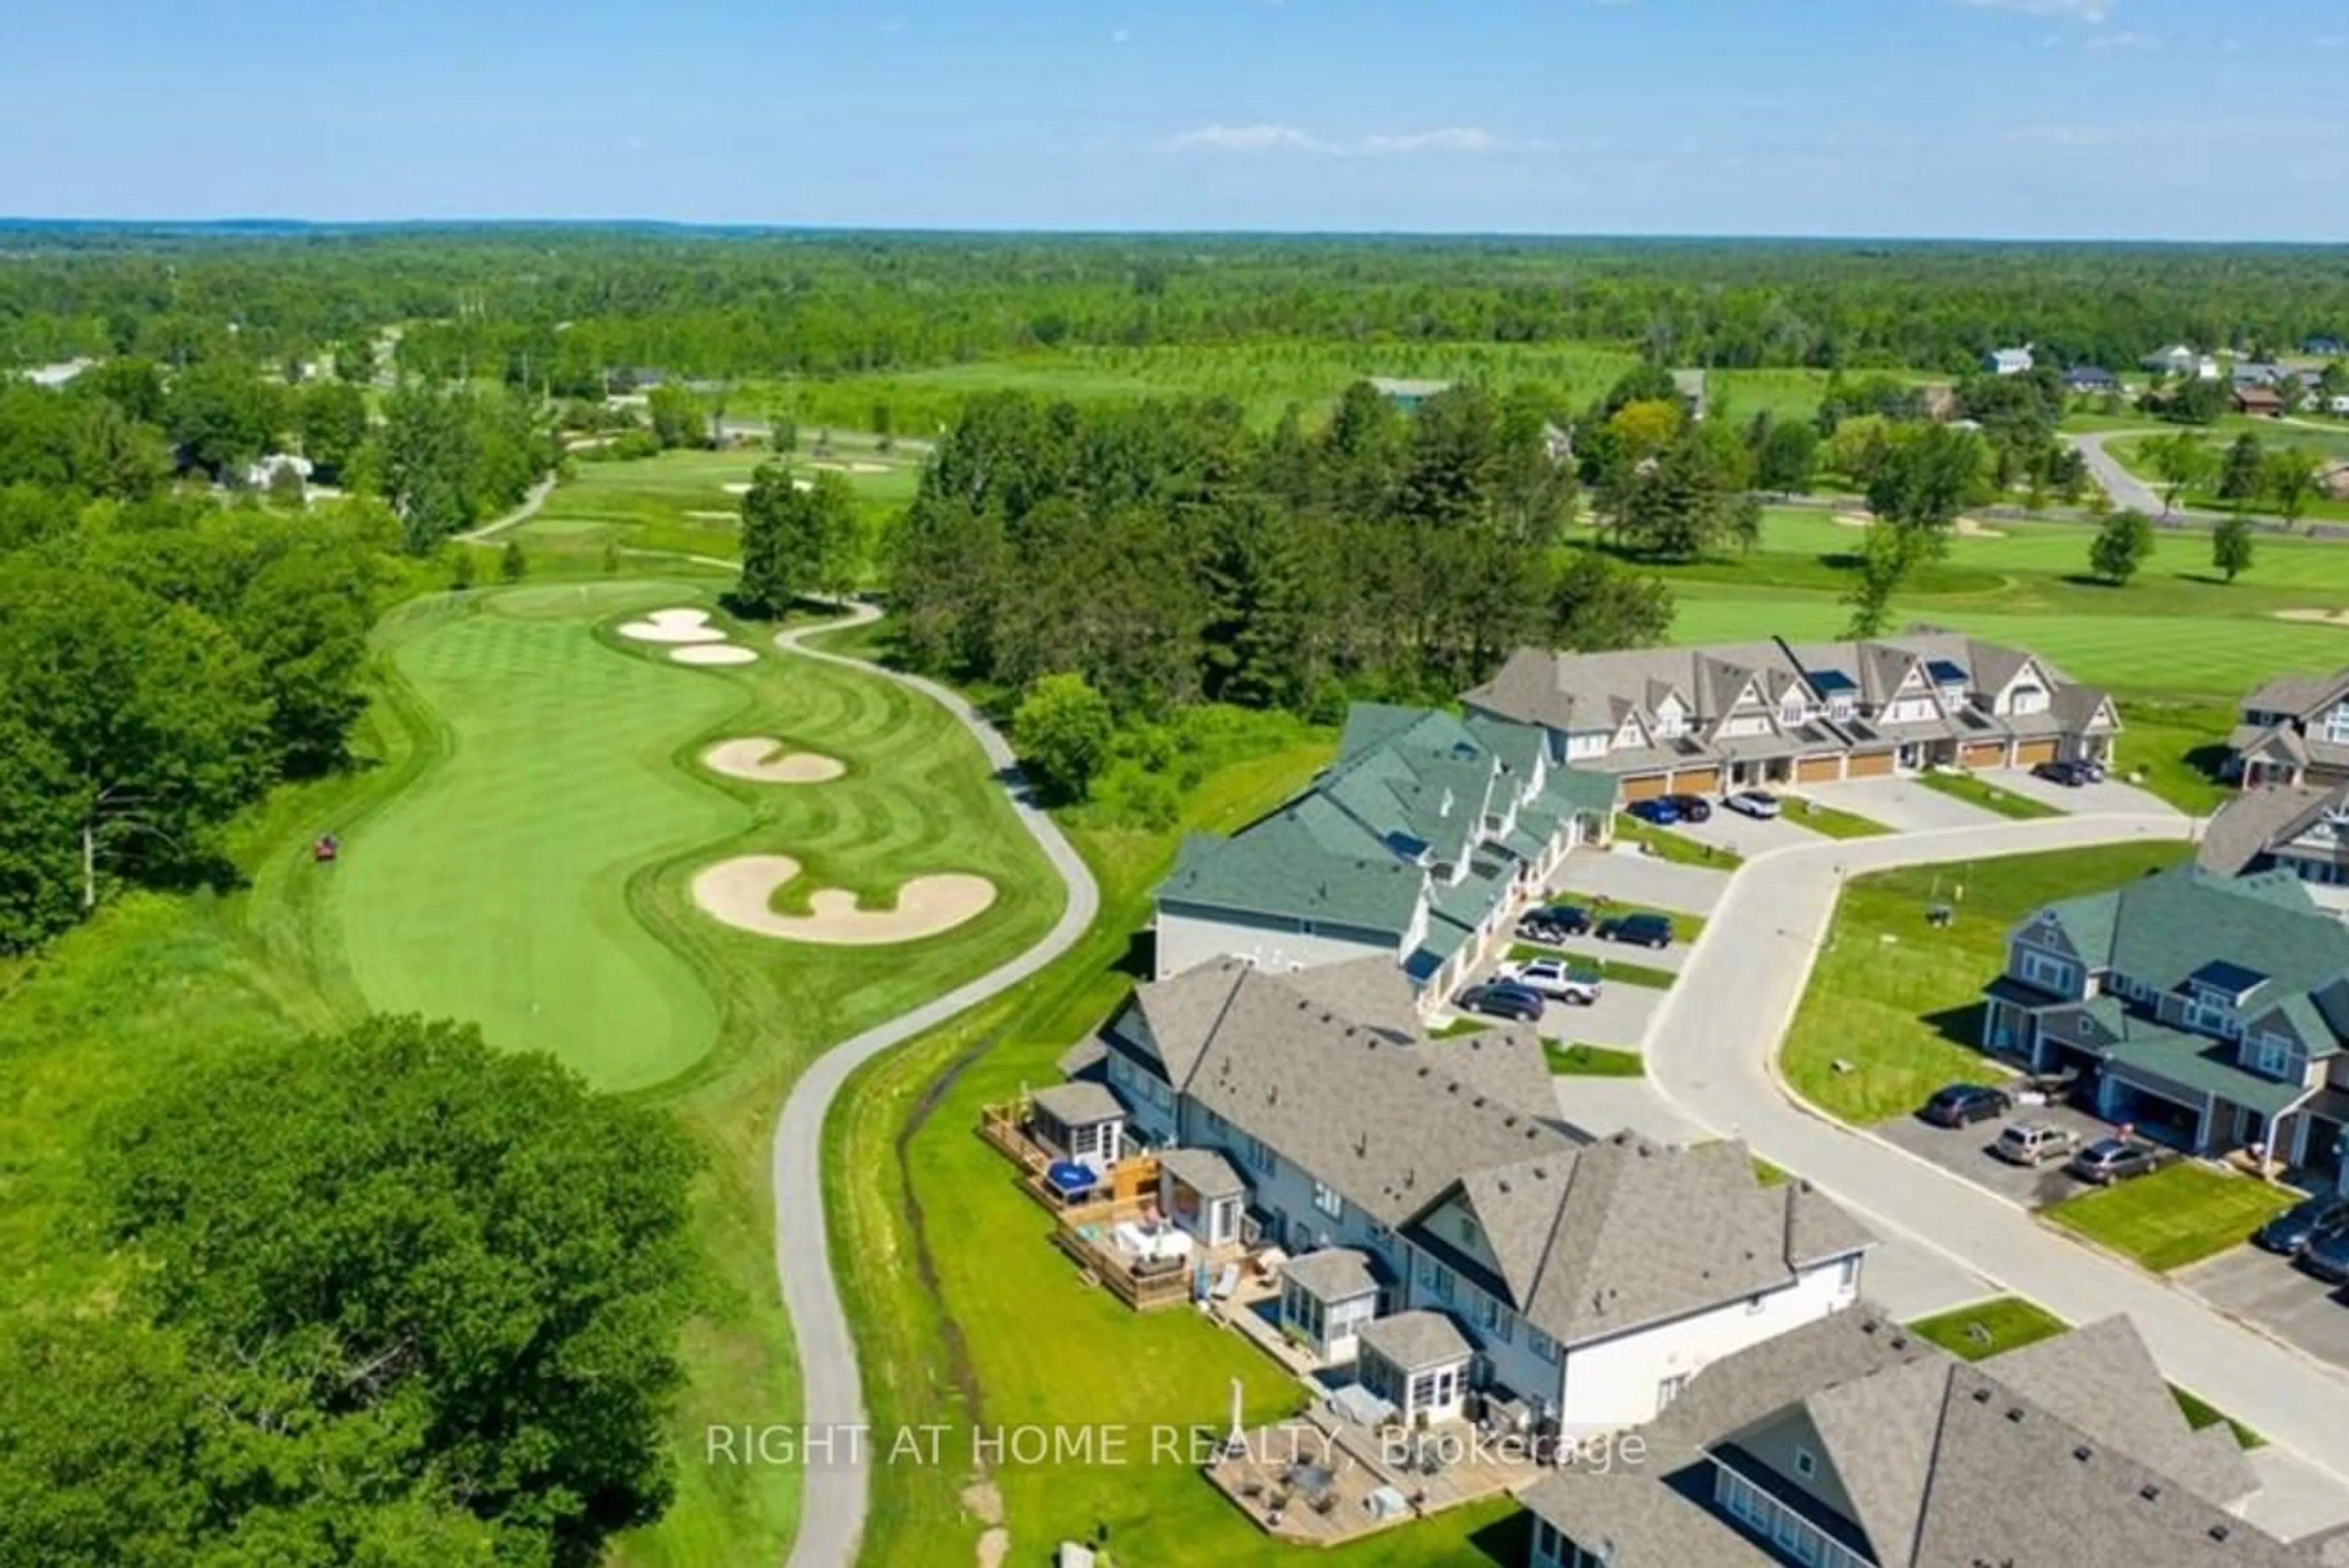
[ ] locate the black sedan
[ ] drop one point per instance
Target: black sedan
(1692, 807)
(1502, 999)
(1963, 1105)
(2302, 1223)
(2071, 775)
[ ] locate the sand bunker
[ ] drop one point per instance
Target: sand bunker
(762, 760)
(738, 488)
(672, 626)
(741, 892)
(715, 653)
(715, 517)
(2319, 617)
(1964, 528)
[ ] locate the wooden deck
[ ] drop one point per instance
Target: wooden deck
(1310, 1480)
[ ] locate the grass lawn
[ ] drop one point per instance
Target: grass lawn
(1580, 1061)
(1666, 844)
(2177, 748)
(1899, 999)
(2175, 1217)
(957, 1277)
(1978, 791)
(1828, 820)
(1990, 1328)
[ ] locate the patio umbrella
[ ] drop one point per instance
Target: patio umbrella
(1238, 1442)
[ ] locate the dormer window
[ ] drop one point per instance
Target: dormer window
(1839, 708)
(1792, 712)
(2028, 698)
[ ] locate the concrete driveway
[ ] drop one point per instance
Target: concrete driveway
(1744, 835)
(1965, 1151)
(2267, 1291)
(1619, 1019)
(1629, 876)
(1903, 806)
(2112, 795)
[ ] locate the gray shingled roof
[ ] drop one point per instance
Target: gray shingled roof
(1204, 1171)
(1415, 1341)
(2258, 820)
(2066, 1454)
(2298, 695)
(1078, 1102)
(1628, 1231)
(1332, 1275)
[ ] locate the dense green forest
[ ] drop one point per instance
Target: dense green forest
(556, 307)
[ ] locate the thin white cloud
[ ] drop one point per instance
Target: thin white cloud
(1248, 138)
(1276, 137)
(2090, 11)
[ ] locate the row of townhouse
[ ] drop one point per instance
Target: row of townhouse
(2211, 1012)
(1418, 843)
(1447, 1233)
(1733, 715)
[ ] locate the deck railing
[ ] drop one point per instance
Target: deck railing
(1083, 1232)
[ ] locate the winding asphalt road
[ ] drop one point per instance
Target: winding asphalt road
(1713, 1052)
(832, 1512)
(2128, 491)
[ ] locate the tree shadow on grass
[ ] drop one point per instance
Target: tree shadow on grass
(2088, 580)
(1139, 958)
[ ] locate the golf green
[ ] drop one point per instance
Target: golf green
(496, 888)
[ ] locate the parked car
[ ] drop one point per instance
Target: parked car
(1501, 999)
(1571, 918)
(2110, 1160)
(2327, 1257)
(1639, 930)
(1536, 928)
(1660, 811)
(2303, 1224)
(1556, 979)
(1692, 807)
(2035, 1143)
(1758, 803)
(1963, 1105)
(2071, 775)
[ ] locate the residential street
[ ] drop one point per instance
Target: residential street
(2128, 491)
(1711, 1055)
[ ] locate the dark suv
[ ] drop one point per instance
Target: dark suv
(1963, 1105)
(1639, 930)
(1692, 807)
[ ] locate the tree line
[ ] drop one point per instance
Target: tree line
(557, 309)
(1166, 555)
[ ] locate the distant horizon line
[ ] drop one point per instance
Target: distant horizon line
(725, 228)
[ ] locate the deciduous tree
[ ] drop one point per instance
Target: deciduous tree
(2230, 546)
(1063, 728)
(2121, 547)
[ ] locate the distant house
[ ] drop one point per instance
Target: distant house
(2337, 404)
(2260, 402)
(1417, 844)
(2178, 360)
(2090, 380)
(58, 375)
(2211, 1013)
(2330, 348)
(1406, 394)
(1849, 1443)
(2300, 828)
(1729, 715)
(1938, 401)
(260, 475)
(2333, 478)
(2292, 729)
(1691, 387)
(2258, 373)
(2009, 361)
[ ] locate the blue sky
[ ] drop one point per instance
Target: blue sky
(2154, 118)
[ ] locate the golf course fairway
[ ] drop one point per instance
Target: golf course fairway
(495, 889)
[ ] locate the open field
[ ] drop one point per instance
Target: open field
(1897, 1001)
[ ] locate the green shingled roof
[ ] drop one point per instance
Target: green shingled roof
(1282, 867)
(2206, 1066)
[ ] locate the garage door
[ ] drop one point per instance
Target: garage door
(1985, 754)
(1868, 764)
(1696, 781)
(1818, 770)
(1648, 788)
(2031, 754)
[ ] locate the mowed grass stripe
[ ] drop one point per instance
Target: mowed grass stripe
(496, 890)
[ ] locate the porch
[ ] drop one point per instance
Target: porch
(1131, 1250)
